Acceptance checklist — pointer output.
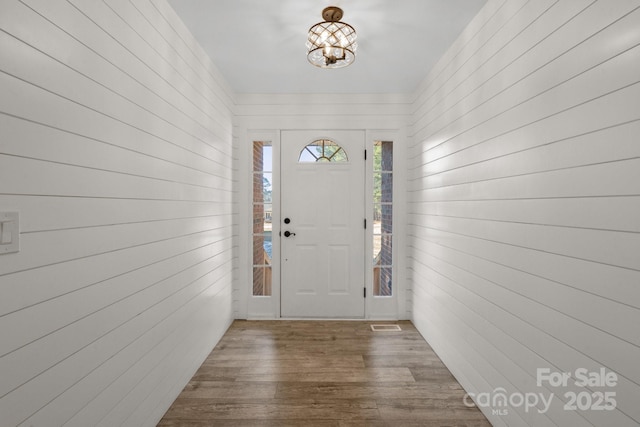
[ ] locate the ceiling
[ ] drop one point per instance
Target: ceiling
(259, 45)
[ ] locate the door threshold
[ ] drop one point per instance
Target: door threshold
(340, 319)
(328, 319)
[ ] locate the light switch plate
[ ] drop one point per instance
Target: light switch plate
(9, 232)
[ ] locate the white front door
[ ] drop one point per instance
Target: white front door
(322, 214)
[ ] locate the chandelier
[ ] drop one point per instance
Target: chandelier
(331, 44)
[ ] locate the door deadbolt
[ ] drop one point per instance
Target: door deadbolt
(287, 220)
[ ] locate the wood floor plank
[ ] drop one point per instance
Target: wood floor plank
(321, 373)
(329, 374)
(277, 361)
(411, 360)
(299, 409)
(301, 374)
(433, 410)
(432, 374)
(225, 390)
(368, 391)
(432, 422)
(256, 423)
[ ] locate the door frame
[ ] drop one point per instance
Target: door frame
(248, 306)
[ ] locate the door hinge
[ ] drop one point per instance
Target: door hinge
(365, 154)
(365, 223)
(365, 292)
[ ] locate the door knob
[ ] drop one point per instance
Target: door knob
(288, 233)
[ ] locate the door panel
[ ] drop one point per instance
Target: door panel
(323, 262)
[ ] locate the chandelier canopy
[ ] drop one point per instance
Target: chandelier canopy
(332, 43)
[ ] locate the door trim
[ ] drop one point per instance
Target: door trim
(260, 307)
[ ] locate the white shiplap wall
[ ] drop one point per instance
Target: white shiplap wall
(323, 111)
(524, 203)
(115, 146)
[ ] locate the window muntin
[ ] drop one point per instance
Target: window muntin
(322, 151)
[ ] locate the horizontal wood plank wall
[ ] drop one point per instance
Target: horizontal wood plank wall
(323, 111)
(115, 146)
(524, 199)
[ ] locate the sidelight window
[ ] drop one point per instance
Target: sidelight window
(262, 210)
(382, 218)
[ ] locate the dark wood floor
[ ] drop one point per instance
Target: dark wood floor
(321, 373)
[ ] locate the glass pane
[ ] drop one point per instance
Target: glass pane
(386, 218)
(382, 249)
(267, 187)
(383, 156)
(386, 187)
(377, 156)
(262, 187)
(382, 187)
(262, 156)
(262, 281)
(307, 156)
(377, 247)
(267, 157)
(382, 218)
(268, 249)
(259, 254)
(262, 249)
(382, 281)
(335, 153)
(258, 218)
(386, 250)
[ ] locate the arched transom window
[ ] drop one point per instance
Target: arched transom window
(322, 150)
